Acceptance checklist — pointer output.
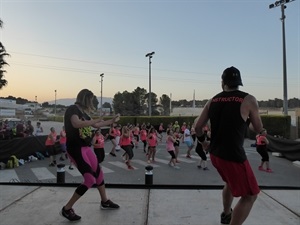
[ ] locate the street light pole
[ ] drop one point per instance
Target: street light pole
(170, 103)
(282, 3)
(101, 75)
(55, 104)
(149, 55)
(35, 106)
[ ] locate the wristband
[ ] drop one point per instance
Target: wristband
(263, 130)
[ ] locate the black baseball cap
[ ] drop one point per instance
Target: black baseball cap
(232, 77)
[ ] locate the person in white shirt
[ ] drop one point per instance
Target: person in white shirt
(39, 130)
(188, 141)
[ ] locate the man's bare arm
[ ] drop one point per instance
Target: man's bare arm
(250, 110)
(202, 119)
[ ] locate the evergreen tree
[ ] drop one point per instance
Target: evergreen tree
(3, 54)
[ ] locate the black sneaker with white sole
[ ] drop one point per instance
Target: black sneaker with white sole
(109, 205)
(70, 214)
(225, 219)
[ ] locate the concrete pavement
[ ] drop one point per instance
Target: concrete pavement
(40, 205)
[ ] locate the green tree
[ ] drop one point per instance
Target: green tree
(165, 103)
(133, 103)
(3, 54)
(154, 104)
(106, 105)
(139, 101)
(122, 103)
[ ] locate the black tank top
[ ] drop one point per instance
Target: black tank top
(227, 126)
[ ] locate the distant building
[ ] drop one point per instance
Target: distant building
(9, 108)
(186, 111)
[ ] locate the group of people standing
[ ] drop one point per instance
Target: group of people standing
(229, 114)
(57, 145)
(16, 129)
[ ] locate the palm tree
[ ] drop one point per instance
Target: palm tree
(3, 53)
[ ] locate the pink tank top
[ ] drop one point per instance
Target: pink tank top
(125, 141)
(170, 144)
(152, 140)
(99, 141)
(49, 140)
(260, 140)
(143, 134)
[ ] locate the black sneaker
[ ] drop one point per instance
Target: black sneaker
(225, 219)
(113, 154)
(109, 205)
(70, 214)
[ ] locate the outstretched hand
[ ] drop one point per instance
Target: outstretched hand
(116, 118)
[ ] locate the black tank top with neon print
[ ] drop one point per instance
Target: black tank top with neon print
(72, 133)
(227, 126)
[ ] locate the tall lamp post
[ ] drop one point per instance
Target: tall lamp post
(149, 55)
(282, 3)
(55, 104)
(101, 76)
(35, 106)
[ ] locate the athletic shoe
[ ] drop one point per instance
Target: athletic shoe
(61, 159)
(269, 170)
(70, 214)
(130, 167)
(71, 168)
(225, 219)
(176, 167)
(113, 154)
(205, 168)
(52, 164)
(109, 205)
(261, 168)
(199, 167)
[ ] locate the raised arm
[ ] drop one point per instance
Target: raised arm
(202, 119)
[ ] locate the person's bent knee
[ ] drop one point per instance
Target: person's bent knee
(250, 198)
(80, 190)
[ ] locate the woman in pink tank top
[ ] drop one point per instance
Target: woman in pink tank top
(152, 142)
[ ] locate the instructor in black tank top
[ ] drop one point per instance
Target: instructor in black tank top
(229, 113)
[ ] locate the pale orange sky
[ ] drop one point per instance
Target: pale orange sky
(112, 37)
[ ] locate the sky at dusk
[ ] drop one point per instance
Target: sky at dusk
(65, 45)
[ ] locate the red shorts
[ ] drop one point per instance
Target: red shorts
(239, 176)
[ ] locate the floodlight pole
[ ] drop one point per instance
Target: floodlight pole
(101, 75)
(282, 3)
(35, 105)
(55, 104)
(149, 55)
